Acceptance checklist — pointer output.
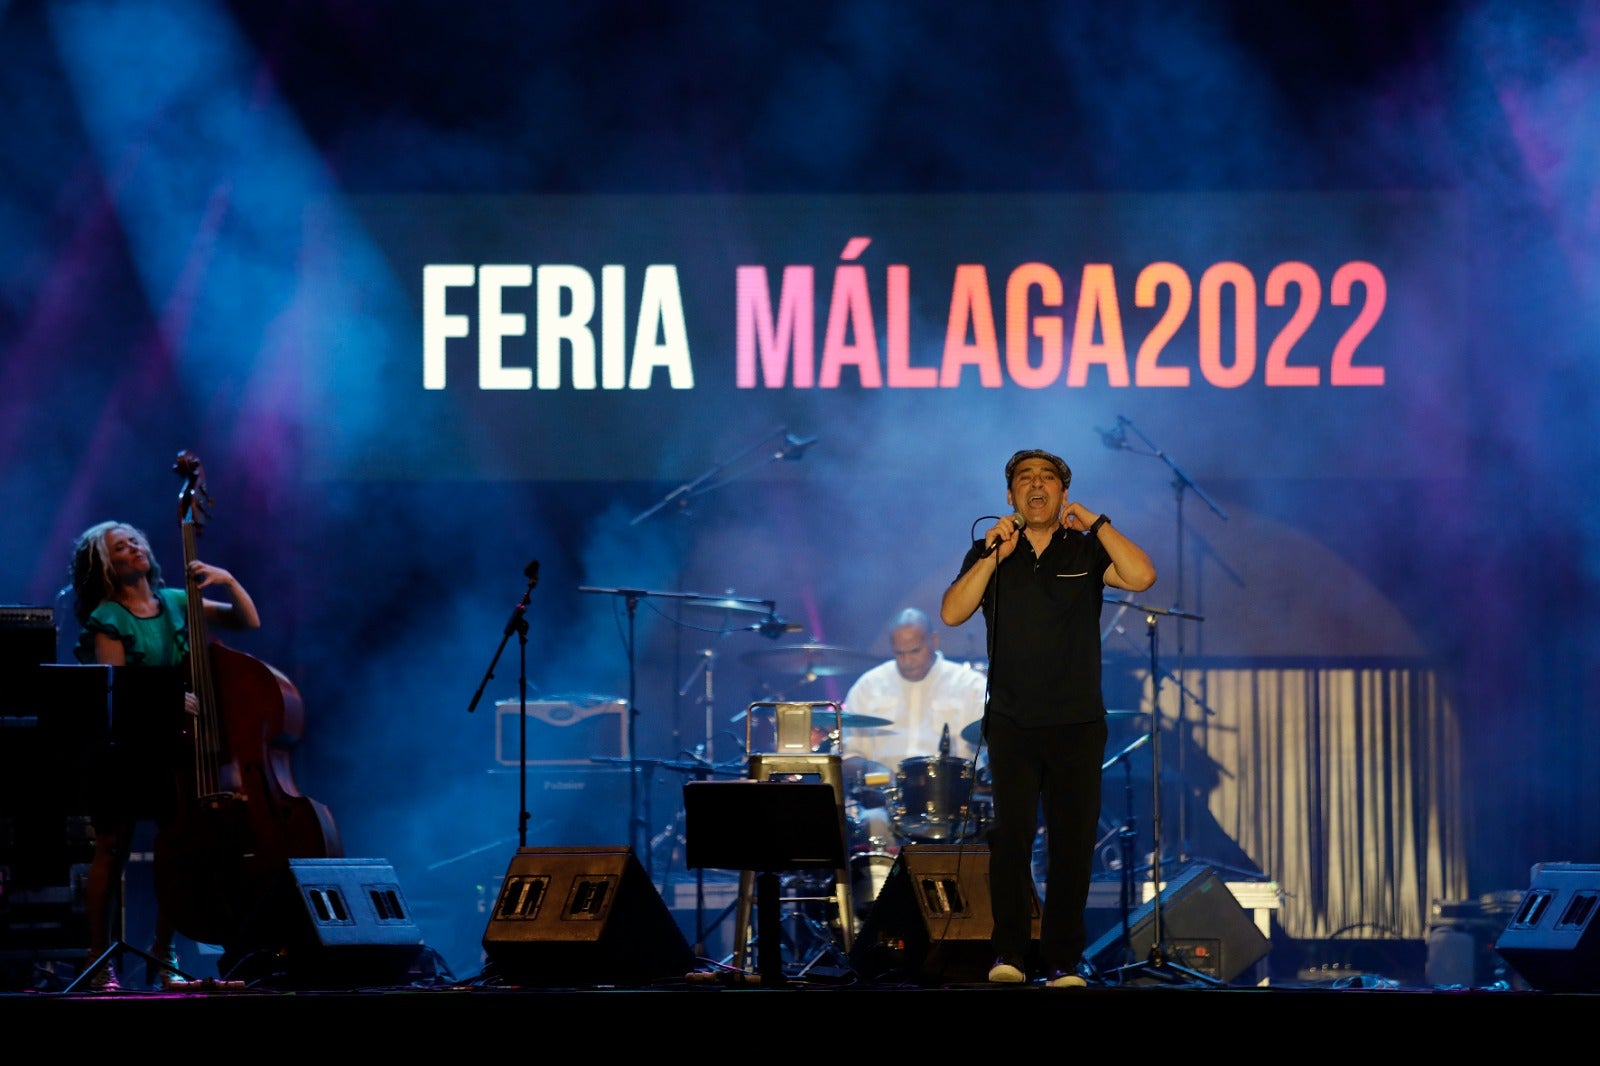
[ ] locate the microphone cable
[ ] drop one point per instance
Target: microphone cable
(968, 822)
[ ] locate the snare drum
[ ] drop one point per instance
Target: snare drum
(931, 800)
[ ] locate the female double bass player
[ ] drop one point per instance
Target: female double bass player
(131, 619)
(239, 816)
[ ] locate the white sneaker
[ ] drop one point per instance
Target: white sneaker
(1066, 980)
(1006, 972)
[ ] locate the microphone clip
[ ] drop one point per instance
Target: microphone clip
(774, 627)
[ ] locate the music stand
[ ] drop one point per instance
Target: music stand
(765, 826)
(132, 721)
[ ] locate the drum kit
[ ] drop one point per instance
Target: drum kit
(929, 799)
(925, 799)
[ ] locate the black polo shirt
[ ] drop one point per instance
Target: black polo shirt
(1042, 614)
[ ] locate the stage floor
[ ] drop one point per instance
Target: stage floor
(638, 982)
(707, 1020)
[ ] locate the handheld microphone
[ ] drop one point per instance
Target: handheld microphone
(995, 544)
(1115, 439)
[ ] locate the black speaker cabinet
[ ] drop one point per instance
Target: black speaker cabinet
(930, 923)
(1553, 939)
(327, 924)
(582, 916)
(27, 637)
(1203, 929)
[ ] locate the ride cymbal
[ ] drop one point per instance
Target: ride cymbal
(972, 732)
(812, 660)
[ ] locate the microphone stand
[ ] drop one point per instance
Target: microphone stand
(1181, 483)
(791, 448)
(701, 774)
(1127, 832)
(1159, 964)
(721, 473)
(518, 624)
(638, 826)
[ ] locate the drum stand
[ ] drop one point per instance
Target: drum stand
(1158, 966)
(673, 840)
(826, 940)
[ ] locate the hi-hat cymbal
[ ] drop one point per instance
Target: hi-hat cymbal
(812, 660)
(972, 733)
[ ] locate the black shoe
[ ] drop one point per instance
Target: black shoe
(104, 979)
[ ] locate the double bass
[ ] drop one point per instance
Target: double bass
(239, 816)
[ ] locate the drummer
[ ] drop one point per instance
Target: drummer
(922, 694)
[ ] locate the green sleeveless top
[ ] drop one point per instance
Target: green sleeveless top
(159, 641)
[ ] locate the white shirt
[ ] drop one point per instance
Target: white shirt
(950, 694)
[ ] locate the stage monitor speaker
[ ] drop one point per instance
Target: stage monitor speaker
(582, 916)
(930, 923)
(327, 924)
(1553, 939)
(1203, 929)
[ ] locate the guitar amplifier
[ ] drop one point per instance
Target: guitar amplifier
(571, 805)
(563, 730)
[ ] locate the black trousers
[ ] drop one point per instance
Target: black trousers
(1055, 769)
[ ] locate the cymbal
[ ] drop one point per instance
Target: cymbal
(732, 768)
(812, 660)
(736, 604)
(822, 716)
(860, 767)
(865, 780)
(972, 733)
(851, 718)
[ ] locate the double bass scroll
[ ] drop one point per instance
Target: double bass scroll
(240, 816)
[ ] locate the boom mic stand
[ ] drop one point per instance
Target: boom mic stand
(779, 444)
(1181, 484)
(1158, 965)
